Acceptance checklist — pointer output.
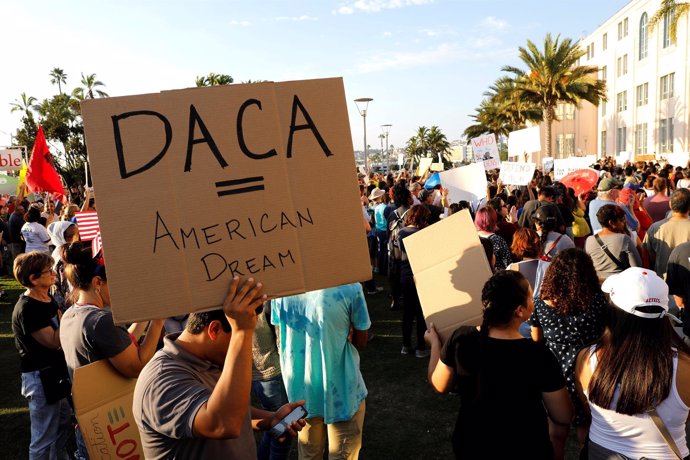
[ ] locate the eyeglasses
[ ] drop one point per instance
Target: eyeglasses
(50, 270)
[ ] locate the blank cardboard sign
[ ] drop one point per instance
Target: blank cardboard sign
(450, 269)
(198, 185)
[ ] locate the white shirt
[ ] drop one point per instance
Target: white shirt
(36, 237)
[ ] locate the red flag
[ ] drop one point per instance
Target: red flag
(41, 175)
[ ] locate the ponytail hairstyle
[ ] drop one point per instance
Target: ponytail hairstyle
(502, 294)
(80, 266)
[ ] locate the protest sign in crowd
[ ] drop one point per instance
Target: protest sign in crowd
(546, 305)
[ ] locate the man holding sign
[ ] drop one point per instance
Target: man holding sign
(192, 399)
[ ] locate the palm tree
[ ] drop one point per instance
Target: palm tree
(214, 79)
(89, 86)
(674, 11)
(58, 77)
(552, 76)
(438, 144)
(25, 104)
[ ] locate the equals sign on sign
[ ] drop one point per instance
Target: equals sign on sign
(235, 186)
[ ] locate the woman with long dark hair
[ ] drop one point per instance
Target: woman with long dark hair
(509, 385)
(546, 223)
(415, 220)
(636, 378)
(569, 314)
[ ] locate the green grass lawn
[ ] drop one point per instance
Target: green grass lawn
(405, 419)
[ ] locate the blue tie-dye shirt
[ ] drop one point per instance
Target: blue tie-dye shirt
(318, 363)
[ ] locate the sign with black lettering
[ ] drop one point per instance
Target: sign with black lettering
(196, 186)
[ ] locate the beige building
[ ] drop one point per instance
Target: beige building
(648, 84)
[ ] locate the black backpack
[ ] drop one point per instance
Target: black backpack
(394, 226)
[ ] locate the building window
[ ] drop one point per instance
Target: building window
(644, 34)
(625, 27)
(604, 73)
(603, 143)
(620, 30)
(604, 41)
(592, 46)
(622, 101)
(621, 136)
(666, 86)
(625, 64)
(603, 108)
(641, 139)
(666, 135)
(642, 95)
(666, 38)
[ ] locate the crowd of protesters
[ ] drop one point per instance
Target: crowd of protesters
(580, 329)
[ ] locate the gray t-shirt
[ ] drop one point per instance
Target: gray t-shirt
(620, 245)
(88, 334)
(170, 390)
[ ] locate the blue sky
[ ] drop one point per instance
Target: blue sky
(424, 62)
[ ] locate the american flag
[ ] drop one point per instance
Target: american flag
(96, 244)
(87, 222)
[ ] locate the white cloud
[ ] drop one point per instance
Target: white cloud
(387, 34)
(405, 60)
(374, 6)
(494, 23)
(304, 17)
(437, 32)
(240, 23)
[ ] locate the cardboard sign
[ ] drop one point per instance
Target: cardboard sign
(622, 157)
(10, 159)
(401, 159)
(678, 159)
(424, 165)
(103, 405)
(524, 141)
(196, 186)
(564, 166)
(485, 150)
(516, 173)
(449, 281)
(436, 167)
(547, 164)
(465, 183)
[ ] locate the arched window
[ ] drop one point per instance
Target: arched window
(644, 36)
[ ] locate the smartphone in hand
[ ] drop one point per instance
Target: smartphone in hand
(278, 430)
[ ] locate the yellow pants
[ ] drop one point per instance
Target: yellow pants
(344, 438)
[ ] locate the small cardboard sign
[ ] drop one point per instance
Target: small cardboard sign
(436, 167)
(678, 159)
(523, 141)
(10, 159)
(401, 159)
(199, 185)
(485, 150)
(103, 405)
(564, 166)
(516, 173)
(449, 281)
(547, 164)
(424, 165)
(464, 183)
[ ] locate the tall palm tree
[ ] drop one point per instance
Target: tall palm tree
(552, 76)
(58, 77)
(437, 143)
(674, 10)
(89, 86)
(24, 104)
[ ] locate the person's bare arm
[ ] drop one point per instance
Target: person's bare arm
(559, 406)
(537, 334)
(360, 339)
(222, 416)
(87, 197)
(440, 376)
(132, 359)
(48, 337)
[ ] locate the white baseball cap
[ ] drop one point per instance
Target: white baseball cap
(637, 287)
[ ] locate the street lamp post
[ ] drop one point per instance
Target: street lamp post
(362, 105)
(386, 131)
